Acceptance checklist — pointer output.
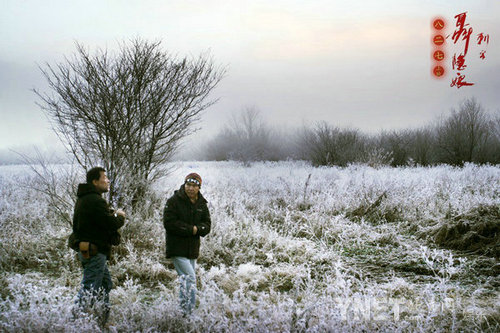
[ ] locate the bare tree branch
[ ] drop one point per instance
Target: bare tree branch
(127, 112)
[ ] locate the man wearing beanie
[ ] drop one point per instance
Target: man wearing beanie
(186, 219)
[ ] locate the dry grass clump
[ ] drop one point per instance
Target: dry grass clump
(476, 231)
(375, 212)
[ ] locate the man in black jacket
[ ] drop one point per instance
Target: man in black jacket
(186, 219)
(95, 228)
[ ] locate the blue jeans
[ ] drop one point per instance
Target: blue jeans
(187, 291)
(96, 284)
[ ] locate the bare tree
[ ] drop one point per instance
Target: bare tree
(246, 138)
(397, 144)
(496, 125)
(128, 111)
(55, 181)
(464, 135)
(422, 142)
(327, 145)
(252, 135)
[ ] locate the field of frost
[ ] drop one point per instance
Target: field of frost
(292, 248)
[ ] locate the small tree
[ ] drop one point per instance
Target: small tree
(128, 111)
(245, 138)
(327, 145)
(422, 142)
(496, 125)
(397, 144)
(494, 142)
(251, 135)
(464, 135)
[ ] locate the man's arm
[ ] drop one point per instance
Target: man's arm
(75, 218)
(110, 222)
(203, 228)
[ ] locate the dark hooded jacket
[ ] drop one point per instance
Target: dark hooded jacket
(94, 221)
(179, 217)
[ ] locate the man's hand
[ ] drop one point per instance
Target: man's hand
(195, 230)
(120, 212)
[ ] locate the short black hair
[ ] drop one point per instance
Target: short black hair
(94, 174)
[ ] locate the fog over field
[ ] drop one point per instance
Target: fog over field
(360, 64)
(292, 248)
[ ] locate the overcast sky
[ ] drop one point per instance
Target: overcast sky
(363, 64)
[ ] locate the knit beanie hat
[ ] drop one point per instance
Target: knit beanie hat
(193, 178)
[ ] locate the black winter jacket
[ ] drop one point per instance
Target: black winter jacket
(93, 220)
(179, 217)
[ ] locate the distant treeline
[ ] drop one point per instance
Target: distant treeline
(468, 134)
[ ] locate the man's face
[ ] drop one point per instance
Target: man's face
(102, 185)
(191, 190)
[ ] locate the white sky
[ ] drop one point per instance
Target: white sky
(364, 64)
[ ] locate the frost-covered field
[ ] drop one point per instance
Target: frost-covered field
(292, 248)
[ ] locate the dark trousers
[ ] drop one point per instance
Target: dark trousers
(96, 285)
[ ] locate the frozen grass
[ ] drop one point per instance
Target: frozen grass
(293, 248)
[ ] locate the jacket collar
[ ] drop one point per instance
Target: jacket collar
(84, 189)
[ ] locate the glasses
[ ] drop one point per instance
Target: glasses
(192, 182)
